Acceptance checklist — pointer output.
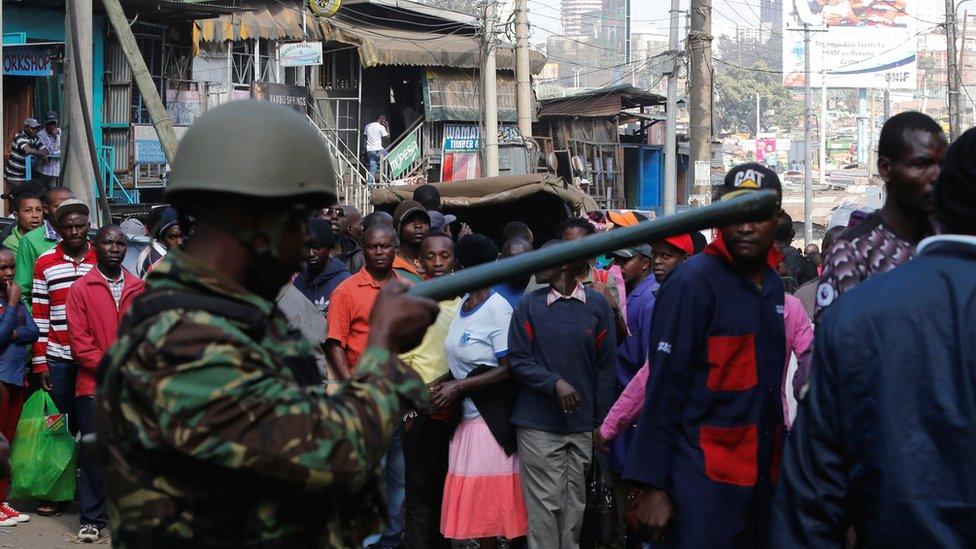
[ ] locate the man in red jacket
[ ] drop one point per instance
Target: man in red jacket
(96, 303)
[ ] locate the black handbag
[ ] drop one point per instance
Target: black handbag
(600, 524)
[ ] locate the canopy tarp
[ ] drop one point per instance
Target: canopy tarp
(542, 200)
(377, 46)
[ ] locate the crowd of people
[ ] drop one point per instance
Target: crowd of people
(674, 368)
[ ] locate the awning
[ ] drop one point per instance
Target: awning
(378, 46)
(397, 47)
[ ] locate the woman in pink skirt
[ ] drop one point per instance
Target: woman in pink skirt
(483, 490)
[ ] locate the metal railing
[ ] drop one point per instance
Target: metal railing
(106, 163)
(351, 182)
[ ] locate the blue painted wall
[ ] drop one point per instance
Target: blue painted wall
(48, 25)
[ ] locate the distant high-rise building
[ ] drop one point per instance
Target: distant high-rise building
(573, 12)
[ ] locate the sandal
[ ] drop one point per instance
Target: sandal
(49, 510)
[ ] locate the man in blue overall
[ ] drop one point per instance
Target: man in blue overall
(708, 440)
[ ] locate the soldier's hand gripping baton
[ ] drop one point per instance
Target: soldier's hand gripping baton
(747, 207)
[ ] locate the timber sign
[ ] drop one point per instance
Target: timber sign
(403, 155)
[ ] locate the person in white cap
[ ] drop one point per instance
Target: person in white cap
(24, 144)
(49, 171)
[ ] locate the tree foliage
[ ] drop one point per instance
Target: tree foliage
(745, 68)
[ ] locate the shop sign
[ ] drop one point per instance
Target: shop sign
(27, 61)
(403, 155)
(300, 54)
(295, 97)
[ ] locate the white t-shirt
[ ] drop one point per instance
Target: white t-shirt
(375, 132)
(477, 337)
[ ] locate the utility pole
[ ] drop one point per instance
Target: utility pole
(144, 82)
(872, 123)
(961, 71)
(671, 111)
(78, 171)
(807, 156)
(955, 121)
(700, 96)
(490, 96)
(823, 123)
(523, 84)
(757, 117)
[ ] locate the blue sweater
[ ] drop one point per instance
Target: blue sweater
(568, 340)
(13, 354)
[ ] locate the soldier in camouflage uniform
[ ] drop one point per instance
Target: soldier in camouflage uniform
(216, 426)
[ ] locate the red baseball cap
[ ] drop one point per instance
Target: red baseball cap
(682, 242)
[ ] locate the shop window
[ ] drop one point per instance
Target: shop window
(340, 69)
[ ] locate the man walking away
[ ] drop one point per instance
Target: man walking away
(40, 240)
(375, 133)
(54, 273)
(322, 273)
(17, 332)
(885, 438)
(413, 224)
(96, 303)
(910, 150)
(706, 445)
(799, 269)
(562, 349)
(49, 171)
(29, 213)
(24, 144)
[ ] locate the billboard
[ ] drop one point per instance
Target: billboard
(866, 44)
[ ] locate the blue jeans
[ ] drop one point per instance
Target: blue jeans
(63, 374)
(395, 491)
(374, 158)
(91, 484)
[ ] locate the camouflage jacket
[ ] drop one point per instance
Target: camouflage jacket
(210, 439)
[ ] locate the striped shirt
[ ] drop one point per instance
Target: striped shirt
(115, 286)
(15, 170)
(54, 273)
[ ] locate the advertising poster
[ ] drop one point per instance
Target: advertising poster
(867, 43)
(460, 159)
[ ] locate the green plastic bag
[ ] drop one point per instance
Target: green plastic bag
(42, 455)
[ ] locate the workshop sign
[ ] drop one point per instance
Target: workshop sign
(27, 61)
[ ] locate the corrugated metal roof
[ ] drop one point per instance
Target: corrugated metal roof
(608, 101)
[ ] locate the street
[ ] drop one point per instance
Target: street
(43, 532)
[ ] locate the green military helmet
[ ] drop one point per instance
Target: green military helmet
(254, 149)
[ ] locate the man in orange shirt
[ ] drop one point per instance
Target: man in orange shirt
(352, 301)
(413, 224)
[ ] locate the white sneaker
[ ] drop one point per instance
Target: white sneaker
(6, 509)
(89, 533)
(7, 521)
